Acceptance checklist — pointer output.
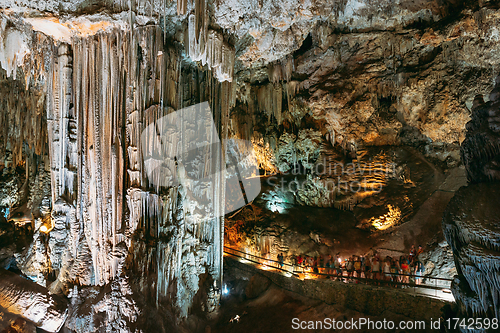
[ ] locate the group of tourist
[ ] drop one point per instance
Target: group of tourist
(365, 267)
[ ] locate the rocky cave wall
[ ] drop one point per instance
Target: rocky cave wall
(471, 221)
(82, 79)
(356, 85)
(411, 84)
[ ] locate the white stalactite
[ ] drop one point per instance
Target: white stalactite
(209, 47)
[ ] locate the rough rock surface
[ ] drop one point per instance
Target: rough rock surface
(81, 96)
(256, 286)
(405, 84)
(32, 302)
(439, 262)
(481, 148)
(471, 225)
(471, 222)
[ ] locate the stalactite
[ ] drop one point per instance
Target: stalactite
(22, 116)
(99, 93)
(270, 101)
(182, 7)
(22, 119)
(103, 138)
(102, 112)
(60, 123)
(209, 46)
(281, 70)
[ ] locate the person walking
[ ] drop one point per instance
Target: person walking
(376, 268)
(387, 269)
(394, 270)
(413, 253)
(331, 270)
(419, 272)
(368, 268)
(357, 267)
(299, 262)
(362, 259)
(281, 260)
(337, 264)
(328, 260)
(405, 267)
(350, 267)
(420, 250)
(400, 261)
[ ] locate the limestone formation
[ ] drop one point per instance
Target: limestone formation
(32, 302)
(92, 93)
(471, 221)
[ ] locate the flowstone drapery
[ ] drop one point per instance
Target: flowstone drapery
(471, 222)
(107, 223)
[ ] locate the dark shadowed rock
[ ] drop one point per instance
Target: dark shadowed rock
(257, 285)
(471, 222)
(481, 148)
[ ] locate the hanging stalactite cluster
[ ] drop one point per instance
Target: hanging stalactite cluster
(95, 95)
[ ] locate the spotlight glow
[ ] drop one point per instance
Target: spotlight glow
(276, 207)
(391, 218)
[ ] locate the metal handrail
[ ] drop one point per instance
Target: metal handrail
(340, 276)
(259, 263)
(375, 280)
(290, 265)
(253, 255)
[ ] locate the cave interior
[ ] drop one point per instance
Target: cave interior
(220, 166)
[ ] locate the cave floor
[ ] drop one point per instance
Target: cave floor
(273, 311)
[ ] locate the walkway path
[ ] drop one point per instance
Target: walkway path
(431, 286)
(426, 223)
